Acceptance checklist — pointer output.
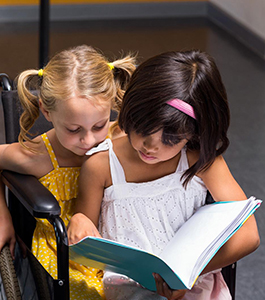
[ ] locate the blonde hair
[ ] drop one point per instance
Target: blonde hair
(78, 72)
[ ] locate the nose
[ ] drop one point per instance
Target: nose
(88, 139)
(150, 144)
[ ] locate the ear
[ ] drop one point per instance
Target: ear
(45, 112)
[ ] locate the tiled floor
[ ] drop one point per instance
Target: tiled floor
(243, 74)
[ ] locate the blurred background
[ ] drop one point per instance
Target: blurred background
(233, 32)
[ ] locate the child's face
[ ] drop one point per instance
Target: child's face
(80, 124)
(151, 150)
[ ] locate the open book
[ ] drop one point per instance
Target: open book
(185, 256)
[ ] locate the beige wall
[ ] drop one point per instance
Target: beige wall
(251, 14)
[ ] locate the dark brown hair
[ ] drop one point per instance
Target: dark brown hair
(193, 77)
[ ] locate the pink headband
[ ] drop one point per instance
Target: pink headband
(182, 106)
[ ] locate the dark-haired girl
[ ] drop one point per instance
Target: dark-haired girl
(140, 188)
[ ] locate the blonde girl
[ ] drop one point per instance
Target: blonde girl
(76, 92)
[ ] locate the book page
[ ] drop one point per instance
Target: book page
(206, 225)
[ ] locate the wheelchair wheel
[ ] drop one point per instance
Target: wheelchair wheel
(40, 279)
(8, 275)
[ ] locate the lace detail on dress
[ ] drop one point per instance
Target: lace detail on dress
(147, 214)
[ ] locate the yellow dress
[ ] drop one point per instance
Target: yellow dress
(85, 283)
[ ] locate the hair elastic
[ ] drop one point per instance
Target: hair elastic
(40, 72)
(182, 106)
(111, 66)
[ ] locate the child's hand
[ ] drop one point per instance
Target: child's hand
(79, 227)
(164, 290)
(7, 232)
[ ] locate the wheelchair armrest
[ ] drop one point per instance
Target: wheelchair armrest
(38, 200)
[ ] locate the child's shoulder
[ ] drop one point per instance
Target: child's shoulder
(22, 159)
(123, 148)
(117, 142)
(217, 168)
(97, 161)
(97, 167)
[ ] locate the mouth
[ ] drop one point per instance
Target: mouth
(146, 157)
(83, 150)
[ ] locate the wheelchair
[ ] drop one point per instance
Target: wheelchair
(28, 198)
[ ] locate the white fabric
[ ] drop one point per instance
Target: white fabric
(147, 215)
(100, 147)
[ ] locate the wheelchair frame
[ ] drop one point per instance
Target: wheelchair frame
(37, 200)
(41, 204)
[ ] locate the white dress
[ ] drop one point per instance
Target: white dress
(147, 215)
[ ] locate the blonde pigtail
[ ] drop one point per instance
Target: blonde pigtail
(30, 105)
(123, 69)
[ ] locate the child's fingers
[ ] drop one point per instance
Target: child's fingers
(71, 240)
(12, 247)
(79, 227)
(175, 294)
(73, 235)
(164, 290)
(96, 233)
(159, 284)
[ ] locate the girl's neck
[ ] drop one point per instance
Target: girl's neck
(65, 157)
(138, 171)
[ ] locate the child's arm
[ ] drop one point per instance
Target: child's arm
(7, 233)
(223, 187)
(92, 182)
(14, 158)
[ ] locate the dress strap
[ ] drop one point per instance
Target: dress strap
(103, 146)
(50, 151)
(116, 170)
(183, 164)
